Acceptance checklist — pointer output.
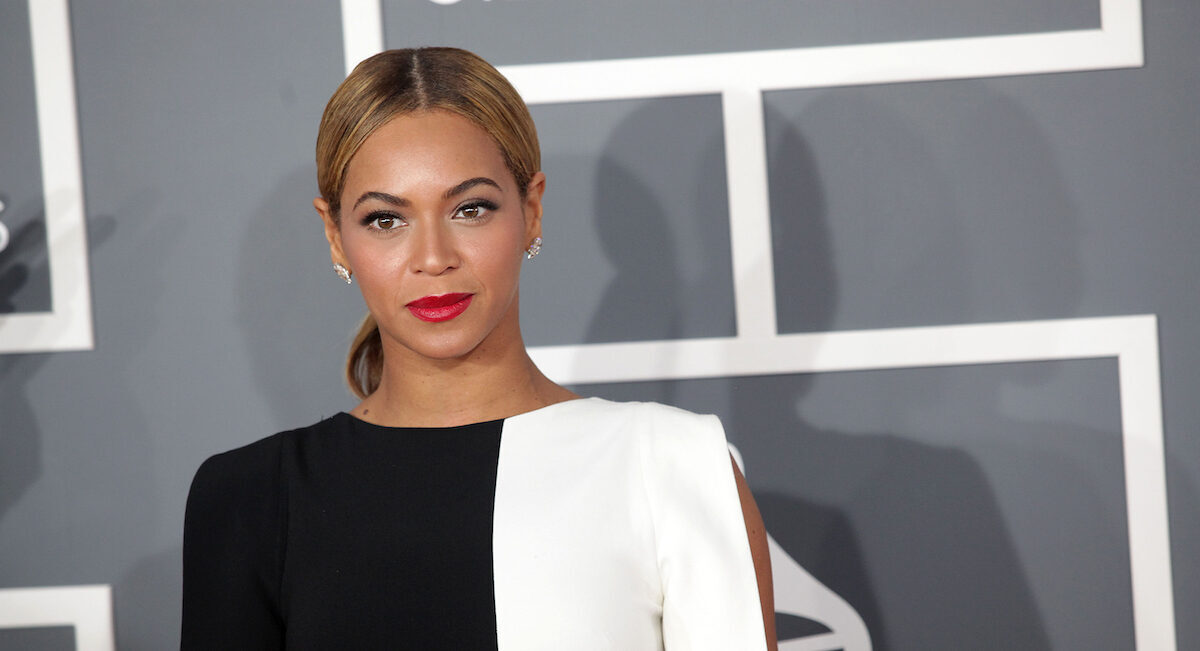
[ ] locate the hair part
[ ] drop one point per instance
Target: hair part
(400, 82)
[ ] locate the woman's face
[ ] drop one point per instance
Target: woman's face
(434, 227)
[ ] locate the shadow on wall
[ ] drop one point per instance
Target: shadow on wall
(20, 437)
(295, 315)
(116, 475)
(910, 534)
(658, 233)
(1185, 509)
(662, 290)
(634, 236)
(959, 234)
(143, 589)
(906, 527)
(974, 223)
(14, 262)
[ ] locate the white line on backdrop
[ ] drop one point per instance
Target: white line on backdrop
(87, 608)
(68, 324)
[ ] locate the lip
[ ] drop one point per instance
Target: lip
(441, 307)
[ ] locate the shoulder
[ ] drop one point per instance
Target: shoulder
(669, 441)
(663, 429)
(646, 434)
(238, 464)
(644, 418)
(252, 469)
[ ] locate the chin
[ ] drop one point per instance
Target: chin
(446, 354)
(444, 348)
(454, 340)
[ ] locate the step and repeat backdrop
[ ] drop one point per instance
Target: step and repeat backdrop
(933, 266)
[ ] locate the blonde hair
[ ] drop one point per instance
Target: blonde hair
(399, 82)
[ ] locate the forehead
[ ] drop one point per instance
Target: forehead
(436, 148)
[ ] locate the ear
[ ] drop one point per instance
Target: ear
(533, 206)
(333, 233)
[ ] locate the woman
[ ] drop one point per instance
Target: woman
(468, 502)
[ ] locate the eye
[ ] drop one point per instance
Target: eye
(383, 221)
(475, 210)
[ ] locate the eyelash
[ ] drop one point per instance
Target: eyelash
(371, 218)
(479, 204)
(486, 206)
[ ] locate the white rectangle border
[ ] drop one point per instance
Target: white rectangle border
(86, 608)
(68, 324)
(1116, 44)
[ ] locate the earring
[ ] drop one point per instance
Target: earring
(342, 272)
(535, 247)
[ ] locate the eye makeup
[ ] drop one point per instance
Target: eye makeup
(482, 209)
(381, 216)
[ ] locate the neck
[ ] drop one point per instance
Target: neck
(495, 380)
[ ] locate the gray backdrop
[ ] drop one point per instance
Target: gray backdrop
(961, 507)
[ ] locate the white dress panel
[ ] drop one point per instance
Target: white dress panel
(617, 526)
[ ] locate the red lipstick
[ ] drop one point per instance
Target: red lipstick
(442, 307)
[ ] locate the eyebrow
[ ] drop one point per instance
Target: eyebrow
(384, 197)
(468, 184)
(402, 202)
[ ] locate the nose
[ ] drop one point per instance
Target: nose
(434, 251)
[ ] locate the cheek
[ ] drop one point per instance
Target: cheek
(371, 258)
(498, 255)
(357, 244)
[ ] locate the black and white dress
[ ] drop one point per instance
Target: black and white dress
(587, 524)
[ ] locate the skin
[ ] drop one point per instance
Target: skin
(430, 208)
(433, 248)
(756, 532)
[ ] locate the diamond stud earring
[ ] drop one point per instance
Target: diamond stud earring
(535, 247)
(342, 272)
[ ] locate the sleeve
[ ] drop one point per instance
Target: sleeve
(710, 590)
(232, 556)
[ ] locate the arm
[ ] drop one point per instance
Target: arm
(756, 532)
(710, 582)
(231, 554)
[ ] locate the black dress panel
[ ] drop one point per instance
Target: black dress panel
(345, 535)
